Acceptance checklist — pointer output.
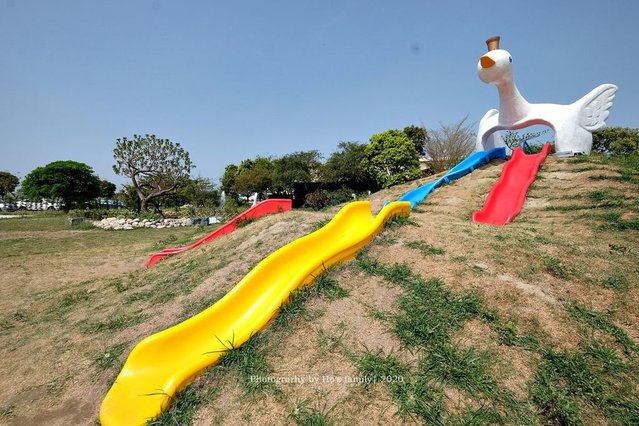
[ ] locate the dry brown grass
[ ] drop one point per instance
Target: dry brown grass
(526, 273)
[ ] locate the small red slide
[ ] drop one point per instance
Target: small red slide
(274, 205)
(507, 197)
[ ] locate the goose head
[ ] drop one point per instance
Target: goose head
(495, 67)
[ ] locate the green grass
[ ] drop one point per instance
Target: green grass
(182, 410)
(109, 357)
(332, 342)
(307, 414)
(57, 386)
(139, 296)
(615, 222)
(377, 367)
(245, 222)
(509, 335)
(113, 324)
(556, 267)
(118, 284)
(425, 248)
(616, 282)
(386, 239)
(568, 382)
(601, 321)
(398, 221)
(413, 396)
(464, 369)
(429, 313)
(324, 286)
(43, 221)
(599, 199)
(163, 284)
(567, 388)
(320, 224)
(70, 300)
(6, 411)
(627, 167)
(248, 363)
(192, 308)
(427, 317)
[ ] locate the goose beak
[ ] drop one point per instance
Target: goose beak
(486, 62)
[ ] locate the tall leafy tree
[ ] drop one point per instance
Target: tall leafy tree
(8, 183)
(156, 167)
(72, 182)
(392, 158)
(228, 179)
(297, 172)
(198, 192)
(107, 189)
(345, 167)
(254, 176)
(419, 136)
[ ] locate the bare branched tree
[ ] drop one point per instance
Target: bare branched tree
(449, 144)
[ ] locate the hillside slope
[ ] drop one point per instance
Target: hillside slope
(454, 322)
(439, 321)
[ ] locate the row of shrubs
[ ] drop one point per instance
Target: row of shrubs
(321, 198)
(230, 210)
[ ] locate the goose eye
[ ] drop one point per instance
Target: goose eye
(510, 59)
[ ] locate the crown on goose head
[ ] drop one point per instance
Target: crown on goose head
(493, 43)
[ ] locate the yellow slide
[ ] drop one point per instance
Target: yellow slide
(164, 363)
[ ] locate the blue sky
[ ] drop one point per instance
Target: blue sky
(232, 80)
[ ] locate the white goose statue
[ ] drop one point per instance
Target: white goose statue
(572, 123)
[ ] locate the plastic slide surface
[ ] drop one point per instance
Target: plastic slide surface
(164, 363)
(274, 205)
(507, 197)
(466, 166)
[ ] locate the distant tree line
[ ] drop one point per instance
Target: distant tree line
(160, 170)
(391, 157)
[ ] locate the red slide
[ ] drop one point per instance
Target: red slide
(507, 197)
(274, 205)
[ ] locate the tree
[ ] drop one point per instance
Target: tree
(450, 144)
(616, 140)
(156, 167)
(128, 196)
(8, 183)
(228, 179)
(199, 192)
(345, 167)
(107, 189)
(392, 158)
(419, 136)
(254, 176)
(514, 139)
(72, 182)
(295, 173)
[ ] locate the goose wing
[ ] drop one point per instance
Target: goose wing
(596, 107)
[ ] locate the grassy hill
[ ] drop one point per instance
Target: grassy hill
(438, 321)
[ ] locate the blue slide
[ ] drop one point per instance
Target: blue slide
(466, 166)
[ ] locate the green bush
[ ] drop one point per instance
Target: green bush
(316, 200)
(616, 140)
(342, 195)
(624, 146)
(98, 214)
